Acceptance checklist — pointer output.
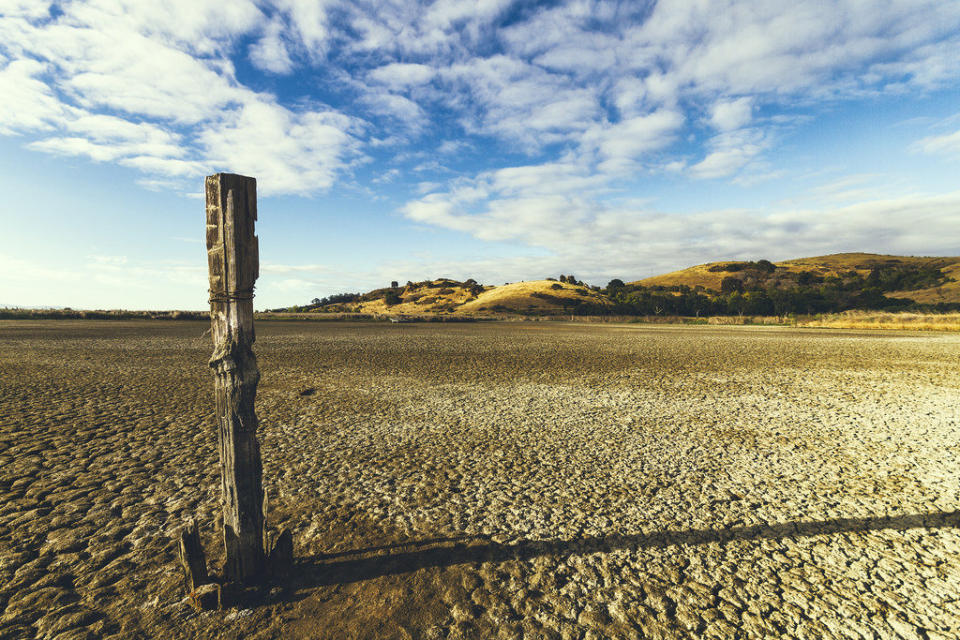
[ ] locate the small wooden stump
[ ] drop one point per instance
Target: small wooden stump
(192, 558)
(207, 597)
(281, 554)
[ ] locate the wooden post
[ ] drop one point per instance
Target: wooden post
(233, 262)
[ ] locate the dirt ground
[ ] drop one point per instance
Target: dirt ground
(514, 480)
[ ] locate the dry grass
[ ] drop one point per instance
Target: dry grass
(886, 320)
(856, 261)
(825, 266)
(435, 296)
(948, 292)
(535, 296)
(522, 296)
(748, 320)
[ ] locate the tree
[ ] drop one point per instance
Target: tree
(766, 266)
(731, 284)
(394, 284)
(391, 298)
(757, 303)
(616, 283)
(315, 301)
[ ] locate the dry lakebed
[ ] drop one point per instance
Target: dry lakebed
(492, 480)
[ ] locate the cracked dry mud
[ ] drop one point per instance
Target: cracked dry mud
(522, 480)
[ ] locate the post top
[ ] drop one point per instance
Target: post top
(224, 174)
(233, 254)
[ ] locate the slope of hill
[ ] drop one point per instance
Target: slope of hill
(710, 276)
(536, 296)
(444, 296)
(821, 284)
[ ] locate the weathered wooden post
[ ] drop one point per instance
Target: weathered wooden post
(233, 263)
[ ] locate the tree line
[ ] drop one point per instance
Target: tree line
(756, 288)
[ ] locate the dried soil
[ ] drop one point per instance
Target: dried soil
(492, 480)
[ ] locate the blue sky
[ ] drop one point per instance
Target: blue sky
(497, 140)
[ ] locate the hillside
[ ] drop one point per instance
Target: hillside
(537, 297)
(821, 284)
(709, 276)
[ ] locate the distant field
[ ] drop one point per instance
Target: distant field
(481, 480)
(903, 320)
(881, 320)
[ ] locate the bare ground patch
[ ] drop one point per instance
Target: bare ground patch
(494, 480)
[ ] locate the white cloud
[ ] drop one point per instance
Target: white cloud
(730, 151)
(619, 144)
(399, 75)
(175, 108)
(310, 23)
(947, 143)
(270, 53)
(519, 103)
(396, 106)
(603, 86)
(288, 152)
(726, 115)
(190, 25)
(603, 241)
(32, 9)
(723, 163)
(406, 28)
(28, 104)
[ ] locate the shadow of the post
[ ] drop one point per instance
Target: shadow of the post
(372, 562)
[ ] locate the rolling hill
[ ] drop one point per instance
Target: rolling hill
(800, 284)
(469, 298)
(709, 276)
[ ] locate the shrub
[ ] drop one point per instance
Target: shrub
(731, 284)
(556, 285)
(391, 298)
(766, 266)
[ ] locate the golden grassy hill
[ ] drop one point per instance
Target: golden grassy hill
(430, 296)
(535, 296)
(469, 298)
(711, 274)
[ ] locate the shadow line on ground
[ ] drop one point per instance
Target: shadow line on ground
(373, 562)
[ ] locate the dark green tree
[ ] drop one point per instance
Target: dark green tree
(391, 298)
(731, 284)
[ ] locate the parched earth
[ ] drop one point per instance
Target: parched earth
(515, 480)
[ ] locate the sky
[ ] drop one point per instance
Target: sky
(495, 140)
